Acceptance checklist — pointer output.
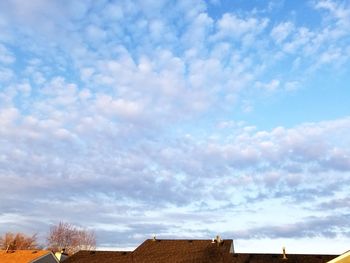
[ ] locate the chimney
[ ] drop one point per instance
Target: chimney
(61, 256)
(284, 253)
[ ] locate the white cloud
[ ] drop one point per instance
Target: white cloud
(300, 40)
(291, 85)
(330, 56)
(114, 107)
(95, 33)
(198, 31)
(119, 107)
(6, 74)
(24, 88)
(113, 11)
(231, 26)
(8, 116)
(6, 56)
(338, 10)
(280, 32)
(270, 86)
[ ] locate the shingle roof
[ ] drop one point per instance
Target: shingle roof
(21, 256)
(99, 257)
(179, 251)
(277, 258)
(190, 251)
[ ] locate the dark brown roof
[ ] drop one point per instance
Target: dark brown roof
(99, 257)
(189, 251)
(182, 251)
(277, 258)
(170, 251)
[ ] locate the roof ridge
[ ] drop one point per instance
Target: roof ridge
(194, 239)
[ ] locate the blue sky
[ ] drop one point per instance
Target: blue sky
(184, 119)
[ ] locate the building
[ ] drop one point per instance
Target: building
(27, 256)
(61, 256)
(191, 251)
(343, 258)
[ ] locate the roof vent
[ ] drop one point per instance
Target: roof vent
(154, 238)
(284, 253)
(217, 240)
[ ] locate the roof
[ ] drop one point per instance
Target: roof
(193, 251)
(343, 258)
(278, 258)
(161, 250)
(99, 257)
(21, 256)
(190, 251)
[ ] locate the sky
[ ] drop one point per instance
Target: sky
(180, 119)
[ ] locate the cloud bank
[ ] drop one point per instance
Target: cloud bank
(128, 118)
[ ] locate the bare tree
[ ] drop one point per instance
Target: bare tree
(18, 241)
(71, 238)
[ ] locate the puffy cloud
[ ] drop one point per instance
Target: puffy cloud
(6, 56)
(231, 26)
(119, 107)
(89, 157)
(340, 11)
(271, 86)
(106, 118)
(280, 32)
(6, 74)
(328, 227)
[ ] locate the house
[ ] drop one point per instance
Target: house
(278, 258)
(191, 251)
(343, 258)
(162, 250)
(61, 256)
(27, 256)
(84, 256)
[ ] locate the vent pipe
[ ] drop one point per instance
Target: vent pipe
(284, 253)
